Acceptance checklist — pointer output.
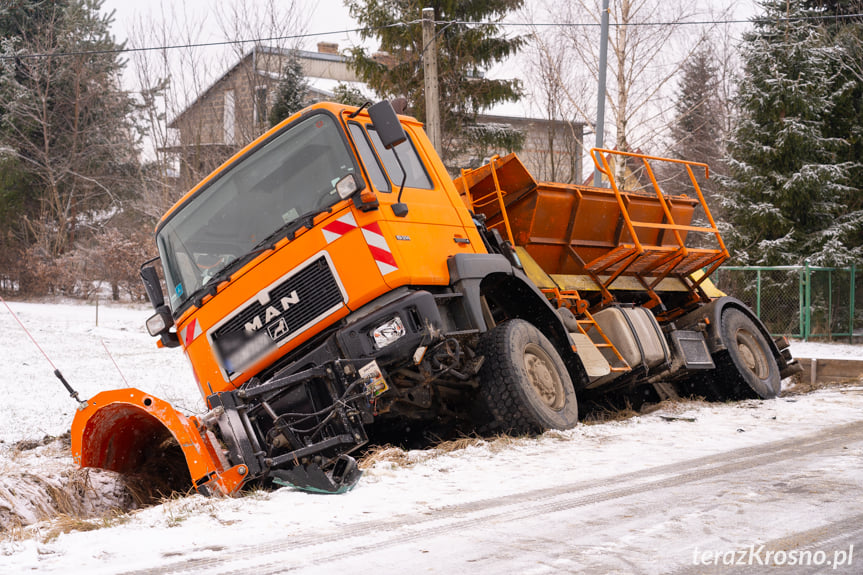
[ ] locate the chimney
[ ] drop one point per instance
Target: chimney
(328, 48)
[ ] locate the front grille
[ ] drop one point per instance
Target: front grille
(317, 292)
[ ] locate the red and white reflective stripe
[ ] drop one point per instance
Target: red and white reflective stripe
(375, 239)
(193, 330)
(336, 229)
(380, 249)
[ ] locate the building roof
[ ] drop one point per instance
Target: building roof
(302, 54)
(506, 112)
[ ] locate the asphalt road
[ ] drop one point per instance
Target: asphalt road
(791, 506)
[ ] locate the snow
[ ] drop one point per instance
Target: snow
(82, 350)
(826, 350)
(197, 528)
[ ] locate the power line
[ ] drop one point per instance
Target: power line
(412, 22)
(201, 44)
(671, 23)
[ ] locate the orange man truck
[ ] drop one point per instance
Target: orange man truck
(330, 282)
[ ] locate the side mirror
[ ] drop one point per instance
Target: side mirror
(153, 286)
(387, 124)
(158, 325)
(161, 322)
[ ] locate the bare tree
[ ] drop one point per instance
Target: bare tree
(276, 26)
(647, 47)
(167, 80)
(171, 79)
(561, 95)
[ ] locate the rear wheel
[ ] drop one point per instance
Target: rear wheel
(750, 369)
(523, 380)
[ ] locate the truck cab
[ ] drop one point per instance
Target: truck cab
(297, 233)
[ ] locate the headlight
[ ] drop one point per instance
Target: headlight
(388, 332)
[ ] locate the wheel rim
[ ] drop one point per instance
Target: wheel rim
(543, 377)
(751, 354)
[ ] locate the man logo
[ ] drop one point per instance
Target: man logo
(272, 312)
(278, 329)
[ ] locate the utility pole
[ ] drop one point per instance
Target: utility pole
(429, 57)
(600, 101)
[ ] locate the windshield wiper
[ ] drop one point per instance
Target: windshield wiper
(287, 230)
(290, 229)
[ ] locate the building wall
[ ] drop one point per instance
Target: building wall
(552, 150)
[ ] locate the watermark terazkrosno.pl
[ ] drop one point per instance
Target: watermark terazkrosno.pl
(761, 555)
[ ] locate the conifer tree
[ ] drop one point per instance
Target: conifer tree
(697, 130)
(697, 134)
(789, 178)
(845, 235)
(292, 92)
(465, 54)
(64, 119)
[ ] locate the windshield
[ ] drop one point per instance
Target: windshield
(290, 176)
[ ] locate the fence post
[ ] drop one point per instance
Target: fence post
(851, 319)
(830, 304)
(807, 300)
(758, 294)
(801, 299)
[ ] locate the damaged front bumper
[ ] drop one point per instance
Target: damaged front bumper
(299, 426)
(299, 429)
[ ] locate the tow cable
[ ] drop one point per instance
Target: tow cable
(72, 393)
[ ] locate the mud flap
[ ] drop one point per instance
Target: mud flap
(310, 477)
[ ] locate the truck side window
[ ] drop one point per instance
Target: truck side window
(416, 173)
(373, 167)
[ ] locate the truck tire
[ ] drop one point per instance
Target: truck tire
(523, 380)
(750, 369)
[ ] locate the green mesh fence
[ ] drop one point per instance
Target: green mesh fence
(799, 301)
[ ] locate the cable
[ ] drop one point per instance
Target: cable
(202, 44)
(33, 339)
(72, 393)
(412, 22)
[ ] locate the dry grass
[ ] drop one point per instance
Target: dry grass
(64, 523)
(66, 502)
(606, 413)
(385, 453)
(398, 457)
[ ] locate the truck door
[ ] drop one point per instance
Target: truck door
(436, 225)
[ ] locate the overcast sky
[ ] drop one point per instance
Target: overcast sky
(325, 16)
(327, 21)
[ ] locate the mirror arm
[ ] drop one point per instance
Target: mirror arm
(400, 209)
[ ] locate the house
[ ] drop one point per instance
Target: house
(234, 110)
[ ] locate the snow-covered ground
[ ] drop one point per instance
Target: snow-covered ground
(36, 404)
(194, 534)
(826, 350)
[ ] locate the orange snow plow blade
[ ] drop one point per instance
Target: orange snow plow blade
(136, 434)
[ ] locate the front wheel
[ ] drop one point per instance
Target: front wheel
(750, 370)
(523, 380)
